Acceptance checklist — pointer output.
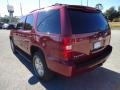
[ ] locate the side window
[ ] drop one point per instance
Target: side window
(29, 22)
(21, 23)
(49, 22)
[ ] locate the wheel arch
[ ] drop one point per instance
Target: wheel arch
(34, 49)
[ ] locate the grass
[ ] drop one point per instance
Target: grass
(114, 25)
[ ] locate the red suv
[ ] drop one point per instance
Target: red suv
(65, 39)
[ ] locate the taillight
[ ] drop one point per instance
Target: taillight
(67, 48)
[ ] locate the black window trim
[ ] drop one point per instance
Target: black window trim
(26, 20)
(45, 19)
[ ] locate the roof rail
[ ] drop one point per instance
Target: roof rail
(48, 6)
(59, 4)
(36, 10)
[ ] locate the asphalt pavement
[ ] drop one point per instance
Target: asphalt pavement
(17, 74)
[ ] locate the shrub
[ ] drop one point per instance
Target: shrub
(116, 20)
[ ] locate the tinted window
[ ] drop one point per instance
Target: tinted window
(29, 22)
(21, 23)
(49, 22)
(84, 22)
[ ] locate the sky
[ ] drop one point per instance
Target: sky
(29, 5)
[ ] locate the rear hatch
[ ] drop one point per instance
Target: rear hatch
(90, 31)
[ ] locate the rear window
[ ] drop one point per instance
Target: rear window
(86, 22)
(49, 22)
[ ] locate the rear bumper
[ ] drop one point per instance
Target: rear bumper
(70, 70)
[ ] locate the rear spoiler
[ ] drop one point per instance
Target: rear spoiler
(84, 9)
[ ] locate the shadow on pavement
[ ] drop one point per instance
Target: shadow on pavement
(99, 79)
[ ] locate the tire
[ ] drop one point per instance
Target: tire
(13, 47)
(40, 67)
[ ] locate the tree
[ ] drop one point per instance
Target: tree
(119, 11)
(6, 19)
(15, 19)
(111, 13)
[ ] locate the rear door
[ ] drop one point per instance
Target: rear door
(49, 28)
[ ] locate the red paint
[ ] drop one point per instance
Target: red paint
(66, 51)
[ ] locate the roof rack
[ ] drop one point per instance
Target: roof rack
(36, 10)
(47, 6)
(59, 4)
